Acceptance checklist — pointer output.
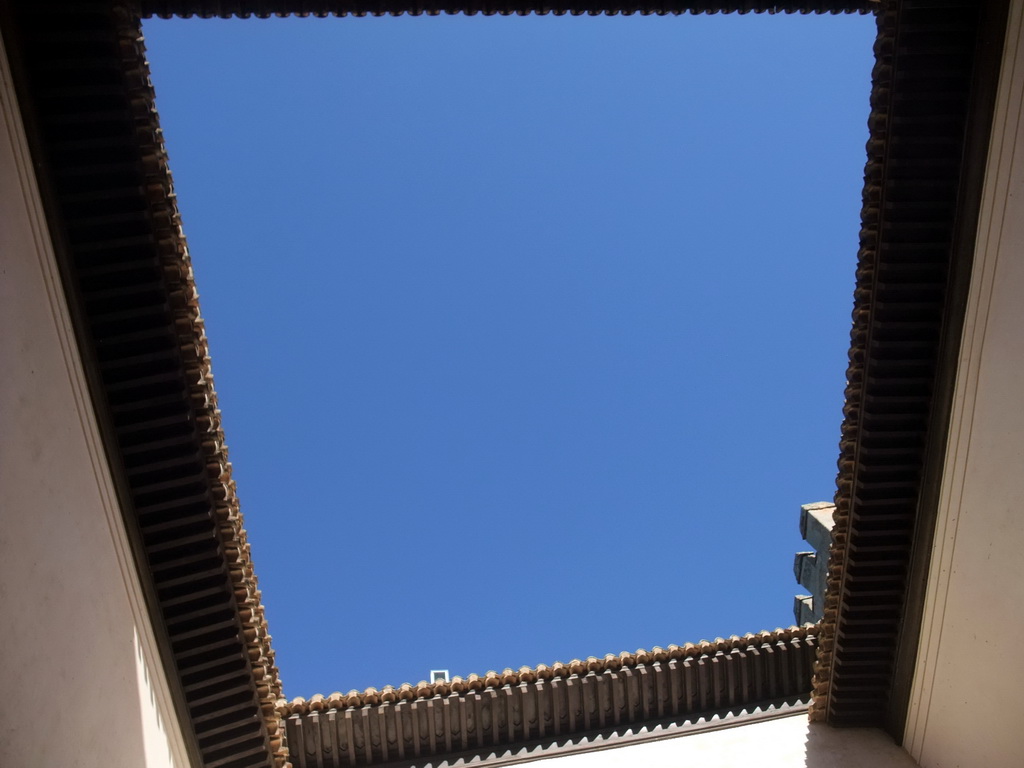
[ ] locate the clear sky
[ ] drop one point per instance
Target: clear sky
(529, 333)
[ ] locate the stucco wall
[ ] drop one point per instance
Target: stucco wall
(82, 684)
(967, 701)
(784, 742)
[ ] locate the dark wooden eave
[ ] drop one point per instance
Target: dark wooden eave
(934, 80)
(266, 8)
(83, 85)
(554, 709)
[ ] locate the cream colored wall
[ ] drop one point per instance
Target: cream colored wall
(967, 700)
(82, 684)
(783, 742)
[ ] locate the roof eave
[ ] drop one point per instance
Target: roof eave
(83, 85)
(933, 88)
(247, 8)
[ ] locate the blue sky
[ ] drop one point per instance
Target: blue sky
(529, 333)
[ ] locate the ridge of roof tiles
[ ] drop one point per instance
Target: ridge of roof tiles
(323, 8)
(853, 396)
(194, 345)
(910, 222)
(493, 679)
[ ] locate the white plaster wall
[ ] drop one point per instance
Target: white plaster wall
(783, 742)
(82, 683)
(967, 700)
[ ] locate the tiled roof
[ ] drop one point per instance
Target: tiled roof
(919, 207)
(103, 169)
(495, 711)
(266, 8)
(192, 343)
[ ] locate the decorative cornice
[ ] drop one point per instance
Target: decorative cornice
(264, 9)
(98, 149)
(881, 86)
(915, 221)
(195, 354)
(608, 663)
(501, 710)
